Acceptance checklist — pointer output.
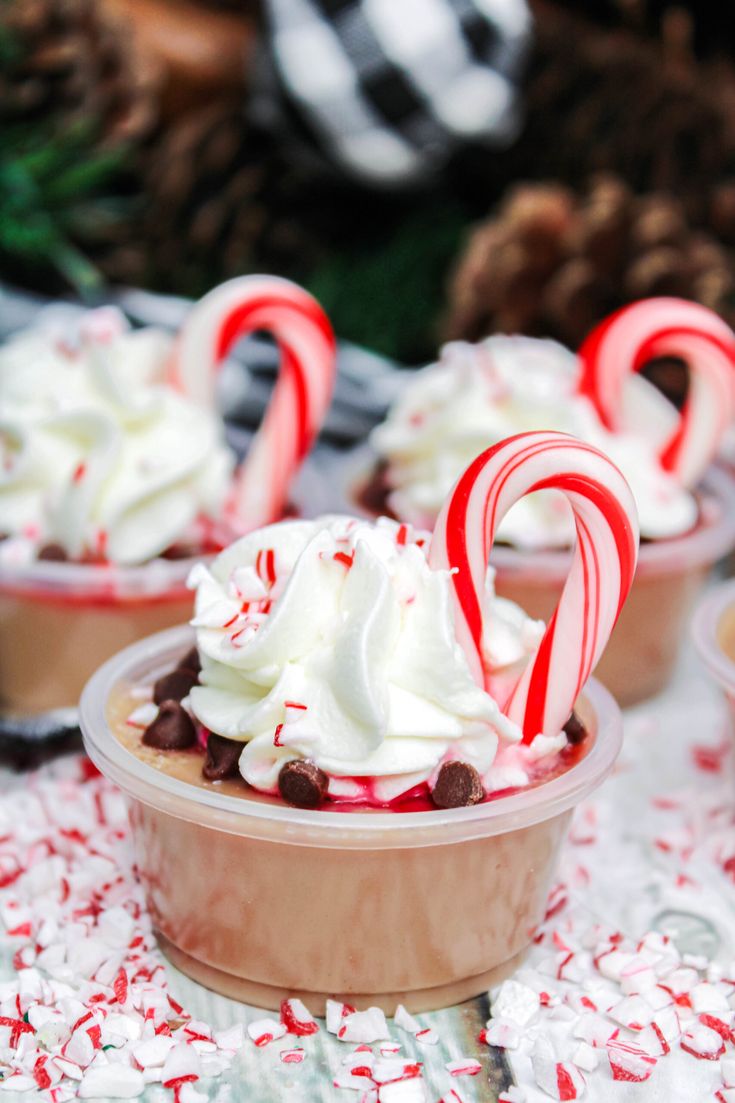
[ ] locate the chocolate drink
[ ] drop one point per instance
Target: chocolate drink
(263, 909)
(50, 648)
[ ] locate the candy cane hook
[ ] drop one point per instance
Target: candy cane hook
(303, 390)
(601, 572)
(667, 327)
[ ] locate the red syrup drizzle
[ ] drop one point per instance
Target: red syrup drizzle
(419, 799)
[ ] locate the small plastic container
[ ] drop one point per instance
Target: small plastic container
(713, 632)
(259, 900)
(640, 658)
(59, 621)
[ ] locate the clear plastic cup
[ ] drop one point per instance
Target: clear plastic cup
(259, 900)
(640, 658)
(713, 631)
(59, 621)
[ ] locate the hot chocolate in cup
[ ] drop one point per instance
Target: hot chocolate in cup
(61, 620)
(713, 631)
(120, 462)
(259, 900)
(645, 644)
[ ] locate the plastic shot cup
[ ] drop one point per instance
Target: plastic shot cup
(259, 900)
(713, 631)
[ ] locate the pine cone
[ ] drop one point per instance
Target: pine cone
(553, 263)
(608, 101)
(217, 204)
(67, 65)
(709, 29)
(74, 105)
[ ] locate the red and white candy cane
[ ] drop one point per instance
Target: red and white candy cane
(302, 393)
(667, 327)
(601, 572)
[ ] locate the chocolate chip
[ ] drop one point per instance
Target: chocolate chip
(172, 730)
(575, 729)
(302, 783)
(52, 553)
(223, 756)
(457, 786)
(190, 661)
(174, 686)
(182, 551)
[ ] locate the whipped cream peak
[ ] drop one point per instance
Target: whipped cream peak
(97, 452)
(333, 640)
(477, 395)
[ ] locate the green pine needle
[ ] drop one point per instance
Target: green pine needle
(389, 296)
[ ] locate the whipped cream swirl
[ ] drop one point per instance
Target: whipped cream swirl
(480, 394)
(333, 640)
(97, 453)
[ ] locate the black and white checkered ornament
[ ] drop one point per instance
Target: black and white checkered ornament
(387, 90)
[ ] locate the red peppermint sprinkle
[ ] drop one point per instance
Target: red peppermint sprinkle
(120, 986)
(40, 1075)
(565, 1084)
(301, 1027)
(710, 759)
(177, 1081)
(292, 1056)
(718, 1026)
(23, 930)
(17, 1027)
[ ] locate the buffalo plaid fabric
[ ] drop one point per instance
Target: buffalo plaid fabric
(389, 89)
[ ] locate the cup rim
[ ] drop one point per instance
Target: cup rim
(704, 628)
(343, 830)
(703, 545)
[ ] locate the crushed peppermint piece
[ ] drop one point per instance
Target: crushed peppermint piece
(703, 1042)
(264, 1031)
(387, 1049)
(111, 1082)
(425, 1035)
(292, 1056)
(586, 1057)
(297, 1019)
(559, 1079)
(629, 1061)
(364, 1026)
(335, 1013)
(727, 1071)
(516, 1002)
(513, 1094)
(463, 1066)
(403, 1091)
(504, 1035)
(88, 1013)
(387, 1070)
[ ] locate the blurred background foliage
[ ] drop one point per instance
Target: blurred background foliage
(127, 157)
